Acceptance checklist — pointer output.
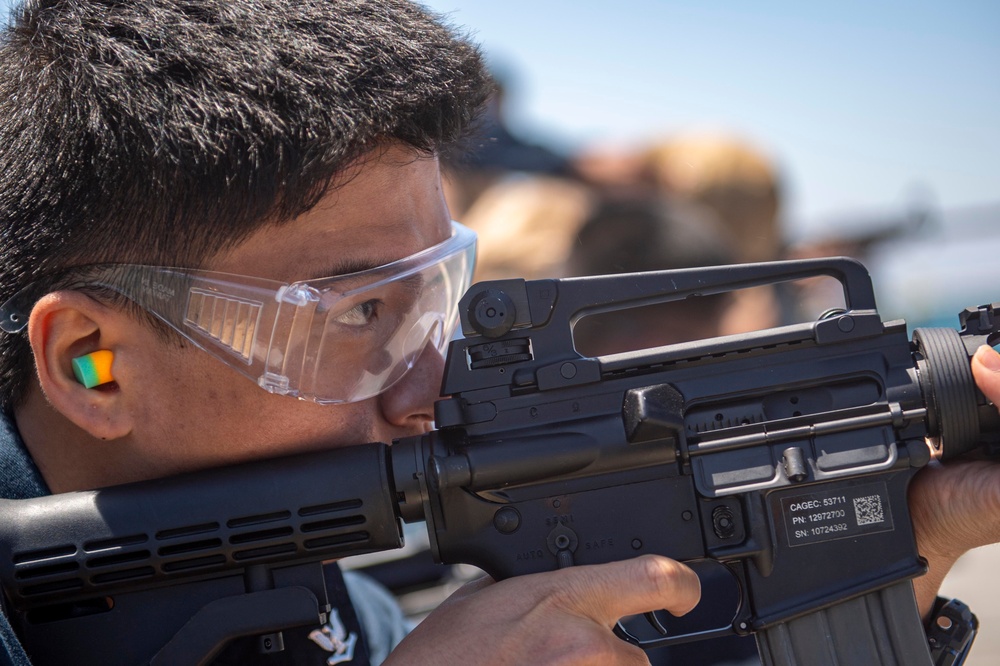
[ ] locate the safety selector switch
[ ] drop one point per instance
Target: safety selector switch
(562, 543)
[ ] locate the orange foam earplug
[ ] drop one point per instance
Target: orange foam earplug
(94, 368)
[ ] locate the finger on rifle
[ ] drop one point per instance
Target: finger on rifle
(608, 592)
(986, 370)
(472, 587)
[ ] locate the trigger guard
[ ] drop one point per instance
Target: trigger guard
(621, 632)
(738, 625)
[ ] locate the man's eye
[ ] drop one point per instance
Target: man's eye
(361, 314)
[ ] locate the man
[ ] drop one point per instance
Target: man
(286, 141)
(250, 146)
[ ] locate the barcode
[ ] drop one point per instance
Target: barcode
(868, 510)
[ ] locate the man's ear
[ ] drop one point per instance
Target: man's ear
(65, 325)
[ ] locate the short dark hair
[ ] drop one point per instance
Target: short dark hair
(163, 131)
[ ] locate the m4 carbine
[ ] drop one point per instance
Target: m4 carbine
(782, 455)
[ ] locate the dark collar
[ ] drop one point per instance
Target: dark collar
(19, 477)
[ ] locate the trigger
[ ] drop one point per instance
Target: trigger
(655, 623)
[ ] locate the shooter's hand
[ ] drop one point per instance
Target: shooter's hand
(956, 506)
(559, 617)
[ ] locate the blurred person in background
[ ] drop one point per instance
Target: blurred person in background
(545, 227)
(627, 233)
(729, 176)
(527, 226)
(725, 174)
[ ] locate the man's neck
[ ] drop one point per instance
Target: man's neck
(67, 457)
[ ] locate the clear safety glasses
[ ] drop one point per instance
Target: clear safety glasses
(330, 340)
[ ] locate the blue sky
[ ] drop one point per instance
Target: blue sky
(860, 103)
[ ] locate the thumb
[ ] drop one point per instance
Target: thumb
(986, 370)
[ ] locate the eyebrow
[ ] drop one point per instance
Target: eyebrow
(351, 265)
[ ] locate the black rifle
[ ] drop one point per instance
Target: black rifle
(784, 455)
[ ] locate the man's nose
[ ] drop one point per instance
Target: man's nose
(409, 403)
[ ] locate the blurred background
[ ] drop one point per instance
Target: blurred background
(641, 134)
(881, 120)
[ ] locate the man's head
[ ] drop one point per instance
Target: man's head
(281, 140)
